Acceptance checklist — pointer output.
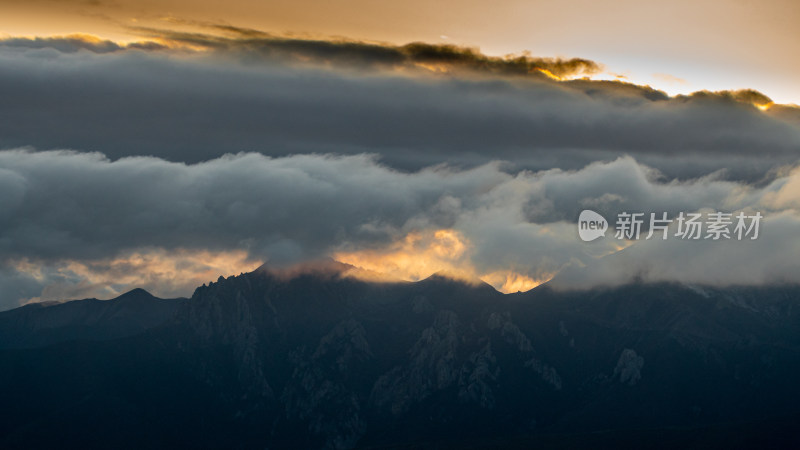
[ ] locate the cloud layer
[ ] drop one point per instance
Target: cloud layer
(70, 216)
(414, 106)
(193, 155)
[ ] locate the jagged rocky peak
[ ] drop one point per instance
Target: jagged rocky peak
(330, 270)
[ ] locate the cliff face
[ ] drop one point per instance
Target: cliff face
(320, 360)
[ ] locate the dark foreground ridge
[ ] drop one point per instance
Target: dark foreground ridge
(42, 324)
(317, 360)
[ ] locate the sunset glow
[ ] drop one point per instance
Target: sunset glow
(314, 224)
(472, 144)
(421, 254)
(164, 273)
(625, 43)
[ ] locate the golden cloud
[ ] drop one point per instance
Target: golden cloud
(164, 273)
(420, 254)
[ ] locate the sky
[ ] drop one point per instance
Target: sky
(678, 46)
(163, 144)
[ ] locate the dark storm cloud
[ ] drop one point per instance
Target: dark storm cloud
(83, 206)
(255, 43)
(196, 106)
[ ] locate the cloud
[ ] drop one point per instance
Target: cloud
(234, 146)
(359, 54)
(771, 259)
(447, 252)
(68, 204)
(164, 273)
(76, 42)
(282, 96)
(83, 220)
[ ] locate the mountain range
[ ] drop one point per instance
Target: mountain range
(319, 359)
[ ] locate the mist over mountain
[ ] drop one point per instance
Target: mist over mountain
(203, 147)
(317, 358)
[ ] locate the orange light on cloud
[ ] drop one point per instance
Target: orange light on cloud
(507, 281)
(763, 106)
(419, 255)
(163, 273)
(435, 68)
(703, 53)
(550, 74)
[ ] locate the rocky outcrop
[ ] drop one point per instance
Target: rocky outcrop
(629, 367)
(320, 390)
(432, 366)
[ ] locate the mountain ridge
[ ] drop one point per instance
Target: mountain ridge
(321, 361)
(39, 324)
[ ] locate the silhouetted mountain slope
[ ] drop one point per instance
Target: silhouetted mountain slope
(40, 324)
(314, 359)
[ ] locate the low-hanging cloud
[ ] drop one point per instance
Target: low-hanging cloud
(69, 218)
